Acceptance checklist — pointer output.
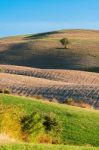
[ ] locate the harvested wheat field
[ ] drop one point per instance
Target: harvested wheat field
(51, 84)
(68, 76)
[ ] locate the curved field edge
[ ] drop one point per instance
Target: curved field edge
(80, 126)
(68, 76)
(43, 147)
(32, 86)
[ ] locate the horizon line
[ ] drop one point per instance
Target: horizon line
(13, 35)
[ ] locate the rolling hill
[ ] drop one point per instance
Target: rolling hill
(38, 66)
(57, 76)
(79, 126)
(45, 51)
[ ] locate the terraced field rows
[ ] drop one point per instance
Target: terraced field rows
(30, 86)
(68, 76)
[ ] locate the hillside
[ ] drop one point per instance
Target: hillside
(80, 126)
(51, 84)
(38, 66)
(45, 51)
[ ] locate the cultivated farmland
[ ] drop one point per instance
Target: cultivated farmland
(39, 67)
(58, 84)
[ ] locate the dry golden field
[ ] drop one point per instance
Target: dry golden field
(45, 51)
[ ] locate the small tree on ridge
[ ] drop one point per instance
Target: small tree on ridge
(64, 42)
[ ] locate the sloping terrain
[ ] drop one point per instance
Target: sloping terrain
(57, 77)
(38, 66)
(79, 126)
(45, 51)
(51, 84)
(68, 76)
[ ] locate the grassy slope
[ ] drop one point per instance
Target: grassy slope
(80, 126)
(45, 51)
(44, 147)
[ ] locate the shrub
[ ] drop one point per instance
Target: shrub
(52, 127)
(39, 97)
(1, 91)
(32, 125)
(78, 103)
(69, 101)
(7, 91)
(37, 126)
(1, 70)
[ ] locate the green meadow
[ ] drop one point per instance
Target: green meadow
(79, 126)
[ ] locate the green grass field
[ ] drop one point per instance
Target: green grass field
(44, 147)
(80, 126)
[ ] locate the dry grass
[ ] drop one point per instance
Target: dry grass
(5, 139)
(45, 51)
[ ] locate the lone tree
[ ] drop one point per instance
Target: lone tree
(64, 42)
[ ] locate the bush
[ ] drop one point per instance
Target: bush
(39, 97)
(1, 91)
(32, 125)
(52, 127)
(7, 91)
(37, 126)
(51, 123)
(1, 70)
(78, 103)
(69, 101)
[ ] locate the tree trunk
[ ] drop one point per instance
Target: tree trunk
(65, 46)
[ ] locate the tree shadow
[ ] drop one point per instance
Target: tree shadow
(61, 48)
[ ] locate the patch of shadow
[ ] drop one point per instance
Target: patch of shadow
(61, 48)
(40, 35)
(23, 55)
(69, 114)
(91, 69)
